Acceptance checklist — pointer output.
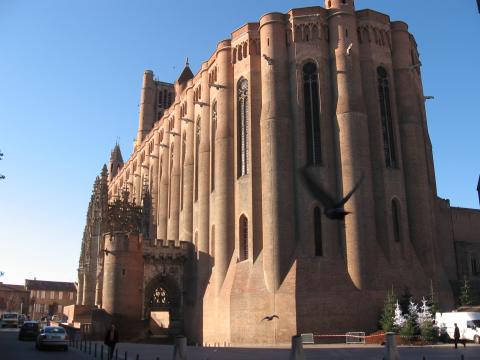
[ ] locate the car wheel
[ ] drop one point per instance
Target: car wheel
(476, 339)
(65, 348)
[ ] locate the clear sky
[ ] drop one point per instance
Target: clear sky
(70, 80)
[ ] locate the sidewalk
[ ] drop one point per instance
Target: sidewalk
(312, 352)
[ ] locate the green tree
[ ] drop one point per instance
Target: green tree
(432, 301)
(465, 294)
(388, 314)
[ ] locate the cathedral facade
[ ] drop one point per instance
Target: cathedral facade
(224, 231)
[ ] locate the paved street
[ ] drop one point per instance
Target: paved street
(13, 349)
(315, 352)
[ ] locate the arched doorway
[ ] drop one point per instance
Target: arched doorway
(163, 306)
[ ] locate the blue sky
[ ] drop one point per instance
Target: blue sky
(70, 80)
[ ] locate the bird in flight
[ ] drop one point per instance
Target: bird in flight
(334, 209)
(270, 318)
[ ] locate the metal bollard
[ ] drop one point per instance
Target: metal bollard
(126, 355)
(137, 357)
(391, 347)
(116, 354)
(101, 352)
(462, 357)
(296, 352)
(90, 348)
(180, 348)
(95, 351)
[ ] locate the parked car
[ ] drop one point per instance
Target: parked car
(468, 323)
(52, 336)
(9, 319)
(29, 330)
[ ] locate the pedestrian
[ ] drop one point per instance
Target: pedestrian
(456, 337)
(111, 339)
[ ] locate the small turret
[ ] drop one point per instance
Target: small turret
(340, 4)
(182, 81)
(116, 162)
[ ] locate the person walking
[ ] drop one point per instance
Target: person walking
(111, 340)
(456, 337)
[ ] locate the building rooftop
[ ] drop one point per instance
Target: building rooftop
(49, 285)
(11, 287)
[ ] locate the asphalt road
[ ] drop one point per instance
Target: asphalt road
(13, 349)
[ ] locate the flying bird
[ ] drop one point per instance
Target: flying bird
(269, 59)
(334, 209)
(349, 49)
(270, 318)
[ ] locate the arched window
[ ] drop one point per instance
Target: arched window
(386, 116)
(242, 127)
(213, 129)
(197, 146)
(317, 224)
(159, 297)
(184, 145)
(243, 237)
(396, 220)
(312, 114)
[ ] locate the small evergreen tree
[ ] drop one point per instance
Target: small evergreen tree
(432, 301)
(388, 314)
(399, 320)
(410, 328)
(425, 322)
(424, 314)
(465, 296)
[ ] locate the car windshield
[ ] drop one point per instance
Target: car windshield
(54, 330)
(9, 316)
(476, 322)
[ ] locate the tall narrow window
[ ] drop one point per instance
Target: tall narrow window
(184, 145)
(386, 115)
(170, 180)
(243, 237)
(213, 129)
(396, 220)
(242, 127)
(317, 223)
(312, 114)
(197, 146)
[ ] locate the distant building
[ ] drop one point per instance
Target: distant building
(49, 297)
(13, 298)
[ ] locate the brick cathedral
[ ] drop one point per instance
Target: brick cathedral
(210, 223)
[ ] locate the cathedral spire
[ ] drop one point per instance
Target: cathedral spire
(116, 161)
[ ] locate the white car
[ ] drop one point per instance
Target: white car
(52, 336)
(468, 323)
(9, 319)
